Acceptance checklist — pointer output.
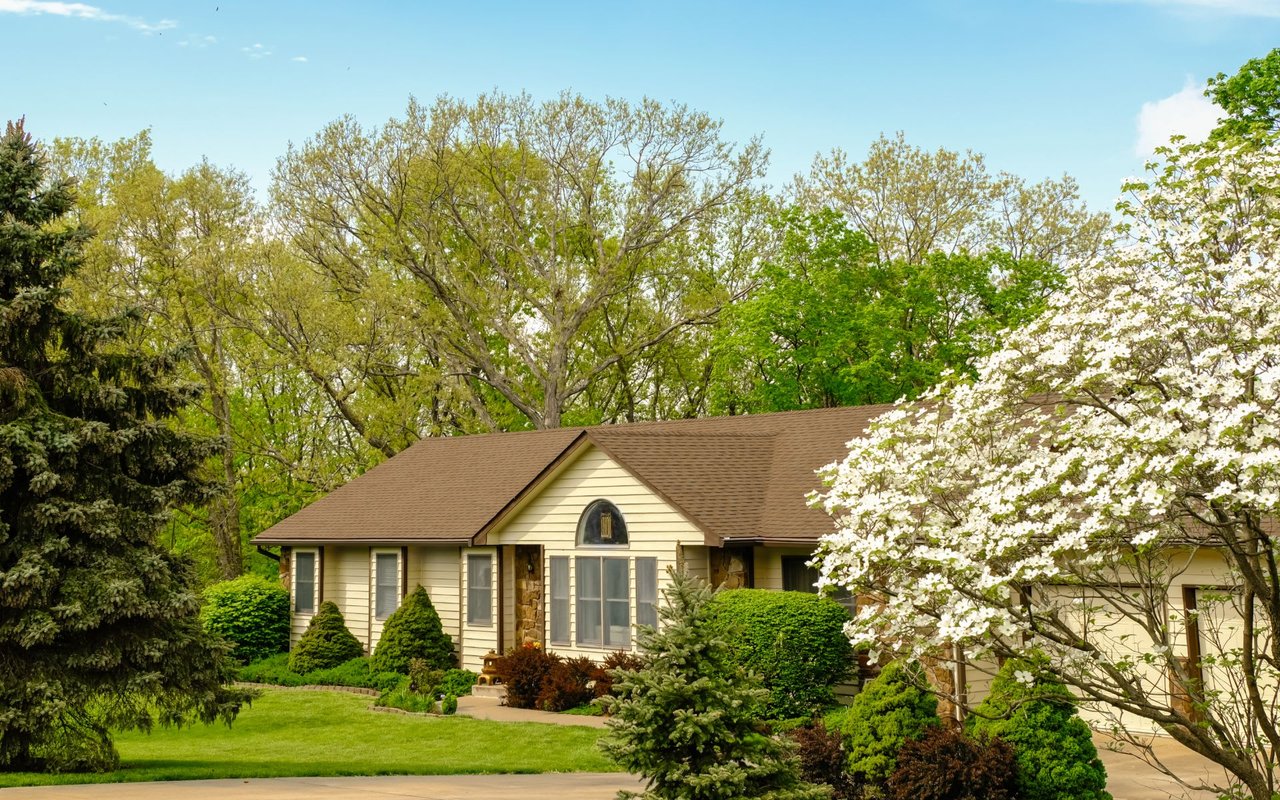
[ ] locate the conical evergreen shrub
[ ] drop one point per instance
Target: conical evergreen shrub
(326, 643)
(413, 631)
(1034, 711)
(890, 711)
(685, 720)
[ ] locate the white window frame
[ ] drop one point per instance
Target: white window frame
(603, 602)
(373, 581)
(473, 621)
(314, 552)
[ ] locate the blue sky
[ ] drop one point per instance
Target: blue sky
(1041, 87)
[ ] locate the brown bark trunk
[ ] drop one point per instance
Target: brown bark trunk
(224, 511)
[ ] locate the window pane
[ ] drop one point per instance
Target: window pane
(617, 602)
(647, 591)
(588, 585)
(602, 523)
(304, 569)
(387, 584)
(560, 599)
(798, 576)
(479, 590)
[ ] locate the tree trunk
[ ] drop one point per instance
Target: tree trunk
(224, 511)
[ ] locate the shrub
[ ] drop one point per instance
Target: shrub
(617, 660)
(684, 722)
(890, 711)
(252, 613)
(273, 670)
(402, 698)
(823, 760)
(1053, 746)
(523, 670)
(457, 682)
(794, 640)
(414, 631)
(326, 642)
(422, 678)
(449, 705)
(566, 686)
(944, 764)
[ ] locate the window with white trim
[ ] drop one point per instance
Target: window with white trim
(647, 592)
(560, 599)
(304, 581)
(603, 601)
(386, 584)
(479, 589)
(601, 523)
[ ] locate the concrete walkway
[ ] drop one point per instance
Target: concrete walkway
(492, 709)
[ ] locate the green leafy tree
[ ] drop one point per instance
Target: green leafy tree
(326, 643)
(1251, 98)
(252, 613)
(1034, 711)
(833, 324)
(413, 631)
(99, 624)
(890, 710)
(685, 721)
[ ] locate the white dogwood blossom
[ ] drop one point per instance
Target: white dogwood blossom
(1129, 432)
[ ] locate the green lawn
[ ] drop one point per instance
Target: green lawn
(296, 733)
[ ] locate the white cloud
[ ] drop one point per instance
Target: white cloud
(256, 51)
(1230, 8)
(1186, 113)
(82, 11)
(198, 41)
(299, 59)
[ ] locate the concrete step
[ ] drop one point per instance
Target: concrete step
(491, 692)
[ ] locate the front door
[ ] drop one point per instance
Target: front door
(529, 594)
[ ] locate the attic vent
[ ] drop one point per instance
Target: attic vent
(602, 523)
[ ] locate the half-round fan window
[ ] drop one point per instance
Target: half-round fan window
(602, 523)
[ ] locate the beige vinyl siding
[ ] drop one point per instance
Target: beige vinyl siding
(693, 560)
(346, 582)
(768, 564)
(550, 519)
(437, 570)
(477, 640)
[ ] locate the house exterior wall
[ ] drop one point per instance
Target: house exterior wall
(550, 519)
(477, 639)
(439, 571)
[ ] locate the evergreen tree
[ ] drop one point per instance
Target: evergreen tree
(684, 722)
(326, 643)
(413, 631)
(99, 624)
(890, 711)
(1034, 711)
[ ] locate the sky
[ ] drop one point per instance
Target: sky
(1041, 87)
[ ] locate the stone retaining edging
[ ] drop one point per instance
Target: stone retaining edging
(313, 687)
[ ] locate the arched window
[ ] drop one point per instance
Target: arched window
(602, 523)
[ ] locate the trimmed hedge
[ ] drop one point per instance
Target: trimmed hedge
(355, 672)
(794, 640)
(414, 631)
(1056, 757)
(252, 613)
(326, 643)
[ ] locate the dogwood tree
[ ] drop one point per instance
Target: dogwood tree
(1106, 491)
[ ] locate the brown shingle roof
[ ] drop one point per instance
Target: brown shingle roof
(741, 477)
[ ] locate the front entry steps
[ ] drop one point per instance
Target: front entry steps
(493, 692)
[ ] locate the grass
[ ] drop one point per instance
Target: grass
(294, 733)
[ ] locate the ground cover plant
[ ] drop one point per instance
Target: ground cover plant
(353, 672)
(299, 732)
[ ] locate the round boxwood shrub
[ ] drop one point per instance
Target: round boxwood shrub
(795, 641)
(250, 612)
(890, 711)
(414, 631)
(326, 643)
(1033, 710)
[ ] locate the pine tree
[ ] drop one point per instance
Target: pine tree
(99, 624)
(413, 631)
(685, 721)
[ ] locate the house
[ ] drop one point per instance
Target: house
(563, 537)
